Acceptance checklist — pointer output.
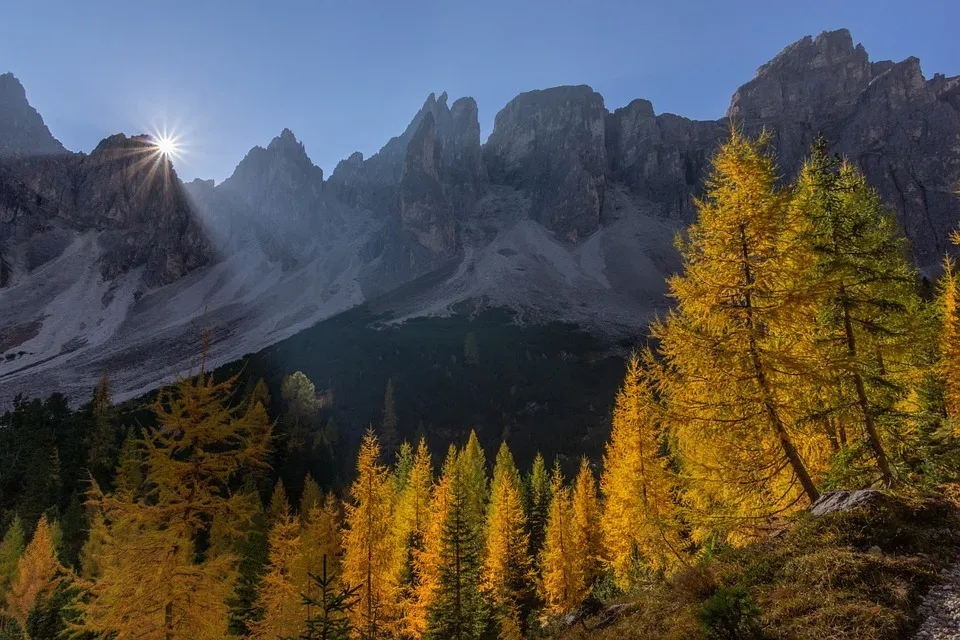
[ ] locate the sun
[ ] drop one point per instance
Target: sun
(167, 146)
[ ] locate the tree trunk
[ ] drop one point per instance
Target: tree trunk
(872, 437)
(779, 430)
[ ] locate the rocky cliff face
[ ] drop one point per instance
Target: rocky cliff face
(22, 130)
(124, 191)
(280, 182)
(903, 130)
(660, 158)
(552, 143)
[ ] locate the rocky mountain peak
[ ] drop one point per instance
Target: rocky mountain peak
(553, 141)
(278, 184)
(22, 130)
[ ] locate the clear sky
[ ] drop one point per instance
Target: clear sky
(347, 75)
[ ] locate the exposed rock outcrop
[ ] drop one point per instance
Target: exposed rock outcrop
(425, 210)
(124, 190)
(278, 183)
(552, 143)
(903, 130)
(661, 158)
(22, 130)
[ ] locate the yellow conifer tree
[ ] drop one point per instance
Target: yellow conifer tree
(427, 562)
(639, 522)
(507, 571)
(151, 582)
(562, 578)
(279, 600)
(412, 522)
(950, 344)
(729, 347)
(38, 574)
(585, 521)
(370, 547)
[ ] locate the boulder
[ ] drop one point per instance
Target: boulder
(846, 500)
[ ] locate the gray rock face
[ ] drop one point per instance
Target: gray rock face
(425, 210)
(374, 183)
(903, 130)
(123, 190)
(552, 143)
(278, 183)
(661, 158)
(22, 131)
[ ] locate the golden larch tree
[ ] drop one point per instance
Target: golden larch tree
(427, 562)
(950, 344)
(153, 581)
(560, 569)
(412, 523)
(281, 610)
(866, 329)
(729, 347)
(585, 521)
(640, 522)
(38, 574)
(507, 573)
(370, 556)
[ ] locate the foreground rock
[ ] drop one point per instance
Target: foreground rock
(847, 500)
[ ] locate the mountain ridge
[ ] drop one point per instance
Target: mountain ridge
(567, 211)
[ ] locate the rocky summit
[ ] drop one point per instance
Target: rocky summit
(567, 211)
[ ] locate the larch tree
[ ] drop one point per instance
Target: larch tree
(507, 571)
(411, 525)
(428, 560)
(310, 497)
(640, 523)
(949, 369)
(537, 487)
(866, 322)
(278, 508)
(585, 517)
(729, 346)
(473, 472)
(560, 569)
(12, 547)
(320, 537)
(39, 572)
(154, 581)
(370, 556)
(279, 603)
(457, 610)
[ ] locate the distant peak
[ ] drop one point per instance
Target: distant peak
(22, 130)
(11, 89)
(286, 139)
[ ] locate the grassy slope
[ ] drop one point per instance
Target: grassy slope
(821, 578)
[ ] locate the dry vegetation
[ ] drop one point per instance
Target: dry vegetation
(857, 575)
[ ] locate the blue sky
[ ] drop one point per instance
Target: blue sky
(347, 75)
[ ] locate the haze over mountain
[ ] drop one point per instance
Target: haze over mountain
(568, 211)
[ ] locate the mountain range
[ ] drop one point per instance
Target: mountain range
(567, 212)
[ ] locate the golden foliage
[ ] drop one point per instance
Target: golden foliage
(38, 574)
(279, 601)
(730, 348)
(151, 582)
(370, 560)
(640, 522)
(506, 571)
